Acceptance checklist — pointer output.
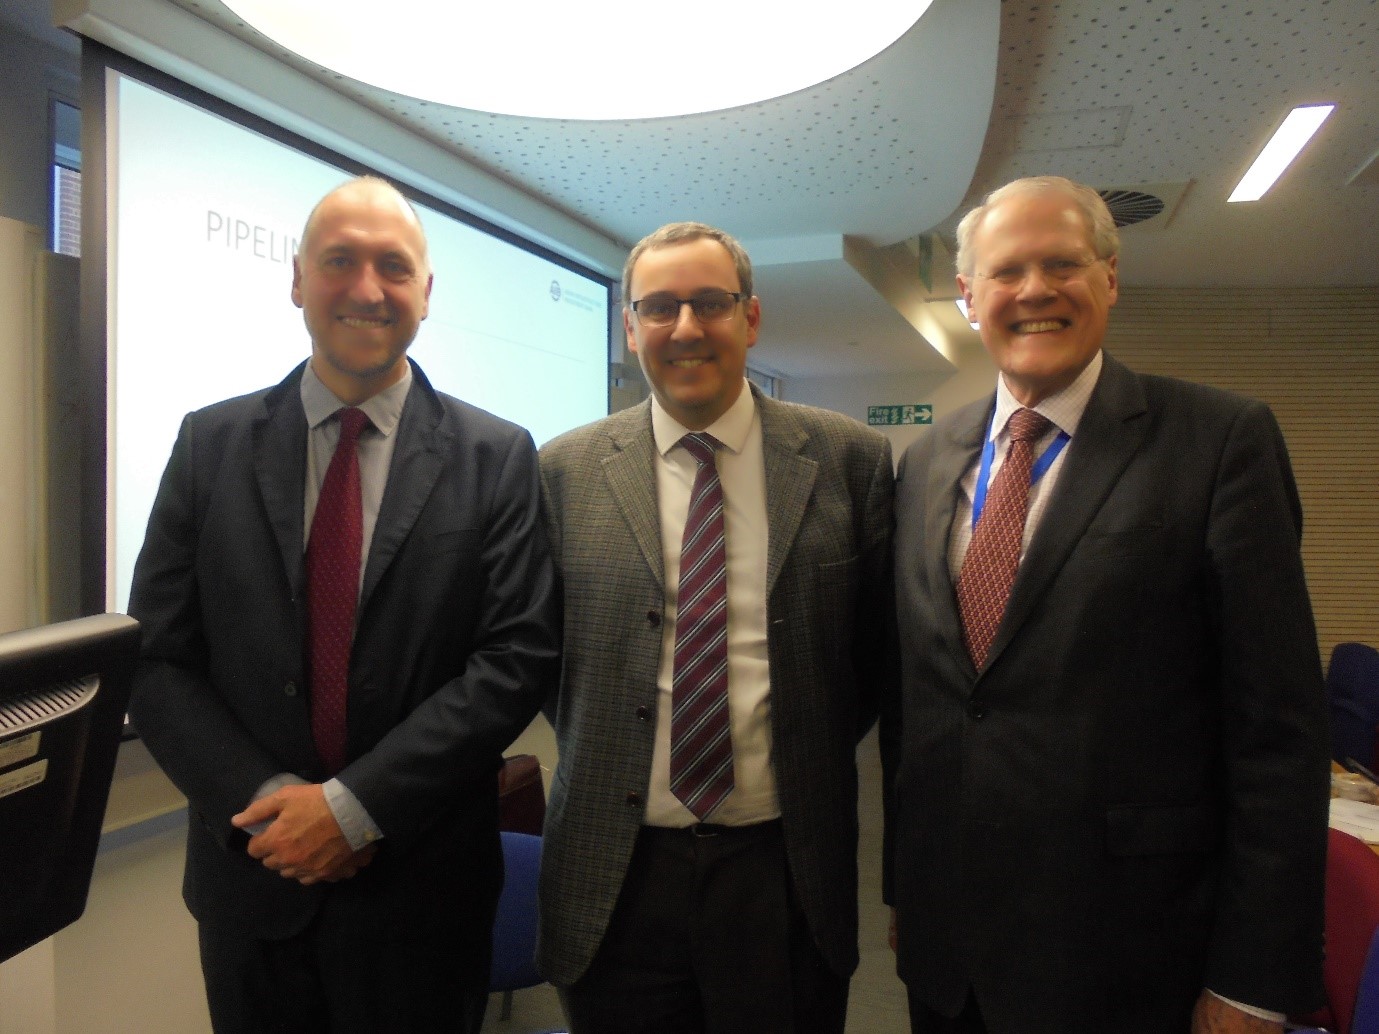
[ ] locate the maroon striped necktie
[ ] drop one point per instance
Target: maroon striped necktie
(988, 570)
(701, 749)
(332, 576)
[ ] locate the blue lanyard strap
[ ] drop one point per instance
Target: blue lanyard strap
(1038, 470)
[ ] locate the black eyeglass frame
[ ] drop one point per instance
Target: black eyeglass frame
(737, 296)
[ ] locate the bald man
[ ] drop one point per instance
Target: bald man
(347, 607)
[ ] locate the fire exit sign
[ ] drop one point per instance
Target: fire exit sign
(887, 416)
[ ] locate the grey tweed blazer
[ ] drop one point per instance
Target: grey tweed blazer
(829, 488)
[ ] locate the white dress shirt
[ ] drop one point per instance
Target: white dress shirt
(742, 473)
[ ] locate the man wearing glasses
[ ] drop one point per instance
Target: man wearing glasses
(1110, 760)
(725, 563)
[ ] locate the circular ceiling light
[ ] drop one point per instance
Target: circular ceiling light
(611, 60)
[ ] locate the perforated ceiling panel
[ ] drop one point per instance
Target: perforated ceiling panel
(885, 150)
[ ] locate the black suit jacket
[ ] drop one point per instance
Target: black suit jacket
(456, 631)
(1128, 802)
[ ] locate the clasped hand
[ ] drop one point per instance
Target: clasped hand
(302, 841)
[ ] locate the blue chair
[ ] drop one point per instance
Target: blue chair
(514, 930)
(1352, 691)
(1366, 1017)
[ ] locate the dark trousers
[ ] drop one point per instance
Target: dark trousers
(707, 938)
(924, 1020)
(334, 978)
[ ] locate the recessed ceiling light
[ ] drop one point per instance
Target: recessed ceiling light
(962, 308)
(614, 60)
(1279, 152)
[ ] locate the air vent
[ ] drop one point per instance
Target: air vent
(1131, 206)
(44, 705)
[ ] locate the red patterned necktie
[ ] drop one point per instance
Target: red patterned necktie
(701, 749)
(332, 576)
(988, 570)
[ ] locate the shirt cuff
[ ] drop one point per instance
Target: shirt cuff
(1263, 1014)
(358, 826)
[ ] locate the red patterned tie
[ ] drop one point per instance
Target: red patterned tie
(701, 748)
(332, 576)
(988, 570)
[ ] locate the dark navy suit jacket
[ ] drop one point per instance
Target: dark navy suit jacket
(1128, 802)
(457, 629)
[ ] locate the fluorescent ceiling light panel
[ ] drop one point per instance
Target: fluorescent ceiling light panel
(614, 60)
(962, 308)
(1280, 151)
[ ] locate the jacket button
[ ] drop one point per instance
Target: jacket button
(976, 712)
(653, 618)
(644, 714)
(290, 689)
(634, 799)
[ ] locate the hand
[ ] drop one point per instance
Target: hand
(356, 861)
(302, 842)
(893, 934)
(1214, 1016)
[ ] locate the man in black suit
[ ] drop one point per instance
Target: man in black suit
(342, 852)
(1109, 797)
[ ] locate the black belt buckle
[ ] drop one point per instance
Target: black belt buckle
(704, 830)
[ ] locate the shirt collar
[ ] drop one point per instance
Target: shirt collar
(384, 410)
(1063, 408)
(731, 428)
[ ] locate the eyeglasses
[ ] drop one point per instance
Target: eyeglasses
(1058, 270)
(662, 310)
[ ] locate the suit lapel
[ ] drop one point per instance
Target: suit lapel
(789, 481)
(950, 463)
(630, 470)
(1111, 431)
(279, 437)
(423, 440)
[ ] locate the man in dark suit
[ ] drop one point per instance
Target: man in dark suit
(338, 644)
(662, 910)
(1109, 796)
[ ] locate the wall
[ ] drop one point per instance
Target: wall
(975, 375)
(94, 976)
(1313, 356)
(33, 73)
(19, 248)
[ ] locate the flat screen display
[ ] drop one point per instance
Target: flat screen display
(63, 691)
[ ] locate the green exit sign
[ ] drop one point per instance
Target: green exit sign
(887, 416)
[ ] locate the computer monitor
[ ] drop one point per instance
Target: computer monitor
(63, 693)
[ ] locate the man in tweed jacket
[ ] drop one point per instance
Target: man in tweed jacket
(743, 919)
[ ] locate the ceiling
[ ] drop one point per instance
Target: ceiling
(1158, 97)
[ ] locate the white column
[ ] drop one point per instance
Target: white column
(19, 247)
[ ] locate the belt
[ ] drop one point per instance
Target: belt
(713, 829)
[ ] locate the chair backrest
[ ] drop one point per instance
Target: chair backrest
(514, 930)
(1366, 1019)
(1352, 917)
(1352, 690)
